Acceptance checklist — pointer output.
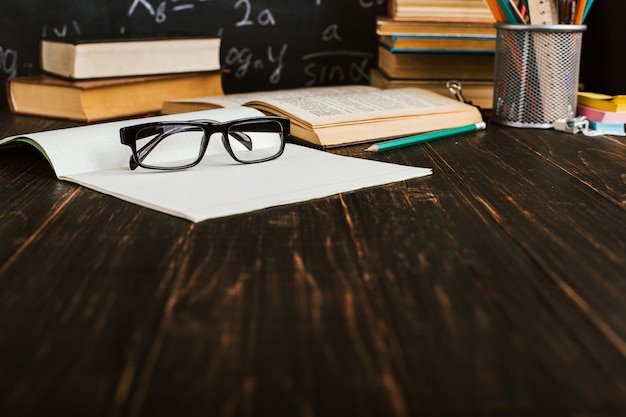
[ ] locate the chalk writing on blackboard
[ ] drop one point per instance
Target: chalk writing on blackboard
(336, 66)
(372, 3)
(61, 31)
(241, 60)
(159, 12)
(266, 44)
(8, 61)
(331, 33)
(264, 18)
(323, 67)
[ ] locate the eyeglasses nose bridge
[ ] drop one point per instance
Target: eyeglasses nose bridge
(133, 163)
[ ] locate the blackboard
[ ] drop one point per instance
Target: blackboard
(603, 58)
(266, 44)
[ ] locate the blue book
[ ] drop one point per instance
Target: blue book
(440, 43)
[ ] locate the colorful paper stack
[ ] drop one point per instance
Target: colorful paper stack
(604, 112)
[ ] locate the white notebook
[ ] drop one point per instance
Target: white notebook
(94, 157)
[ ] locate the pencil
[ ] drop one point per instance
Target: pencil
(496, 11)
(505, 7)
(425, 137)
(581, 5)
(587, 7)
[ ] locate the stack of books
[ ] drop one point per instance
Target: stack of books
(103, 79)
(427, 43)
(604, 112)
(440, 10)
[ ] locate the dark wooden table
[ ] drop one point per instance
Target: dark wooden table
(494, 287)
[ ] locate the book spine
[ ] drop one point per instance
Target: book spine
(10, 98)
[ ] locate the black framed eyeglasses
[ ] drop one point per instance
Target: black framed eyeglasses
(176, 145)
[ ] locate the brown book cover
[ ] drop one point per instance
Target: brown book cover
(418, 43)
(478, 93)
(105, 99)
(388, 26)
(437, 66)
(468, 11)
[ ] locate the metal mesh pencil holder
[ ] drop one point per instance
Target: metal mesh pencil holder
(536, 74)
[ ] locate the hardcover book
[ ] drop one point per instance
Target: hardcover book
(439, 43)
(474, 11)
(87, 58)
(478, 93)
(111, 98)
(434, 65)
(388, 26)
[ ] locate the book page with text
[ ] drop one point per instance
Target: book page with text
(341, 105)
(323, 106)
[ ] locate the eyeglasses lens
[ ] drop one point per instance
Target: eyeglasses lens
(253, 141)
(174, 146)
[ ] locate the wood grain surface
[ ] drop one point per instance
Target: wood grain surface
(494, 287)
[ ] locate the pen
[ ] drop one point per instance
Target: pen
(569, 12)
(411, 140)
(522, 6)
(519, 18)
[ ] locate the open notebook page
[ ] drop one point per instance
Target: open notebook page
(94, 157)
(97, 147)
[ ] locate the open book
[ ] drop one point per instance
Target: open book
(94, 157)
(334, 116)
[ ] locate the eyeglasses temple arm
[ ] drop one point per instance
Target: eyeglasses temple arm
(161, 133)
(242, 138)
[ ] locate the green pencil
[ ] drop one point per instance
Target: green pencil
(411, 140)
